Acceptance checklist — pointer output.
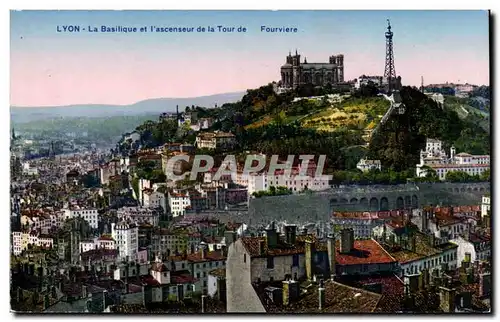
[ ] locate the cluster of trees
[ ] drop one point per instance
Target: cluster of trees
(273, 191)
(147, 170)
(373, 176)
(461, 176)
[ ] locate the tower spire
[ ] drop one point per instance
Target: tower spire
(422, 84)
(390, 70)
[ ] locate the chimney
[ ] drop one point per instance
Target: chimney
(413, 282)
(331, 255)
(230, 237)
(321, 294)
(346, 240)
(19, 294)
(203, 251)
(485, 284)
(262, 247)
(423, 281)
(309, 247)
(31, 269)
(466, 300)
(447, 299)
(291, 291)
(39, 271)
(290, 234)
(271, 236)
(204, 303)
(470, 275)
(46, 301)
(126, 278)
(436, 278)
(465, 265)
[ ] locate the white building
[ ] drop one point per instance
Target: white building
(485, 206)
(132, 137)
(366, 165)
(436, 97)
(416, 264)
(88, 214)
(29, 170)
(295, 182)
(434, 157)
(103, 242)
(215, 140)
(178, 203)
(364, 80)
(479, 247)
(21, 241)
(154, 199)
(127, 239)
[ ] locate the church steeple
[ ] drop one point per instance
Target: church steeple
(305, 60)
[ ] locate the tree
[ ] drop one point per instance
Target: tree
(486, 175)
(457, 176)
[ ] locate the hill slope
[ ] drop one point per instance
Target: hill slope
(399, 141)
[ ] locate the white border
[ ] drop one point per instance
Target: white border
(199, 4)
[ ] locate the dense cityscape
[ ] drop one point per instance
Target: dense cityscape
(399, 221)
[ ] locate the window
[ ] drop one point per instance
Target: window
(182, 265)
(271, 279)
(270, 262)
(165, 274)
(295, 260)
(198, 275)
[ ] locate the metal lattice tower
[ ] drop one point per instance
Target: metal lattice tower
(390, 70)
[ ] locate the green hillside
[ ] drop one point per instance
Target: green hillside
(398, 142)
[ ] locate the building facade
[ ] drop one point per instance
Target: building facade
(434, 157)
(295, 73)
(127, 239)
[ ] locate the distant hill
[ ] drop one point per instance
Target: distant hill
(21, 114)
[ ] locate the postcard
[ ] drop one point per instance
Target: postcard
(277, 162)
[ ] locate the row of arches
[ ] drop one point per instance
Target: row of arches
(374, 204)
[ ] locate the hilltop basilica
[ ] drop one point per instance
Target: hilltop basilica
(295, 72)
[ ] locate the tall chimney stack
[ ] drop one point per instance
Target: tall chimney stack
(331, 255)
(204, 304)
(321, 295)
(309, 245)
(262, 247)
(346, 240)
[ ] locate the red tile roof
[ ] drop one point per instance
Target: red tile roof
(252, 245)
(365, 252)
